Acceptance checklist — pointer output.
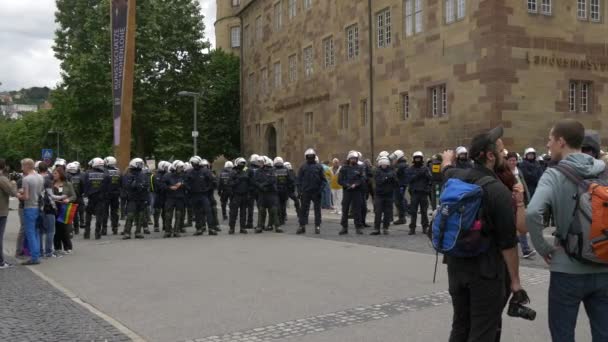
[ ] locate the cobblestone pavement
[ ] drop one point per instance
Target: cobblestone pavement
(33, 310)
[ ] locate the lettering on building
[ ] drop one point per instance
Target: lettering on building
(302, 102)
(567, 63)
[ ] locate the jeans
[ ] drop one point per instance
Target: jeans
(2, 227)
(566, 292)
(325, 196)
(30, 216)
(523, 242)
(20, 235)
(337, 199)
(46, 245)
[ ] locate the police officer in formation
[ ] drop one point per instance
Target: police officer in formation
(398, 157)
(113, 185)
(94, 192)
(240, 184)
(292, 191)
(386, 182)
(158, 186)
(136, 184)
(175, 191)
(199, 182)
(268, 198)
(310, 183)
(462, 158)
(285, 185)
(76, 177)
(419, 180)
(351, 178)
(224, 189)
(531, 170)
(254, 166)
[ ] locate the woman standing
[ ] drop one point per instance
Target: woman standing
(63, 194)
(7, 189)
(520, 186)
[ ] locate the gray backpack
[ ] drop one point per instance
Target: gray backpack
(587, 236)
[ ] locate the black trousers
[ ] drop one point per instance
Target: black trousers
(159, 210)
(306, 199)
(202, 210)
(296, 203)
(238, 206)
(135, 215)
(62, 240)
(434, 194)
(80, 217)
(419, 200)
(478, 304)
(364, 197)
(251, 203)
(351, 201)
(111, 211)
(268, 205)
(283, 197)
(123, 207)
(174, 205)
(95, 207)
(224, 199)
(383, 208)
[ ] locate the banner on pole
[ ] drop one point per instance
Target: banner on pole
(119, 16)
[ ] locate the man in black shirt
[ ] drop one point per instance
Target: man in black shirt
(477, 285)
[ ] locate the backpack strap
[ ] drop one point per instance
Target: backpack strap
(485, 181)
(571, 174)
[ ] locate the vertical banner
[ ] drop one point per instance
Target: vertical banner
(123, 64)
(119, 16)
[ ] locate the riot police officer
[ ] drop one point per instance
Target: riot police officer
(199, 182)
(285, 182)
(531, 170)
(175, 200)
(254, 165)
(398, 157)
(351, 179)
(112, 202)
(159, 194)
(137, 185)
(419, 186)
(291, 192)
(215, 223)
(310, 183)
(266, 182)
(76, 178)
(436, 179)
(462, 158)
(224, 189)
(239, 183)
(386, 182)
(95, 194)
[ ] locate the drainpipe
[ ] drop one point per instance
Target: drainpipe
(371, 79)
(241, 81)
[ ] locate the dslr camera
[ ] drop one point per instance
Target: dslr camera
(517, 306)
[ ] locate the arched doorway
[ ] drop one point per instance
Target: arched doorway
(271, 141)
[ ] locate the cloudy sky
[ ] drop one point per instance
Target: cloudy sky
(26, 37)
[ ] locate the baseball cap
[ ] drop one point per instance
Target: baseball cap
(480, 142)
(592, 140)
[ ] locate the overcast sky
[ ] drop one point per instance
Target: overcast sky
(26, 37)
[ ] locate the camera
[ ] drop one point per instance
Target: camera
(517, 307)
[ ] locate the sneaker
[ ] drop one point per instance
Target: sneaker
(5, 265)
(59, 252)
(30, 262)
(529, 254)
(68, 252)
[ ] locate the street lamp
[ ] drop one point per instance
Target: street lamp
(57, 132)
(195, 131)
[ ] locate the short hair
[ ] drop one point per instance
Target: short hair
(572, 131)
(511, 155)
(42, 167)
(61, 173)
(27, 162)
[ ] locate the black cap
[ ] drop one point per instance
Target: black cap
(480, 142)
(592, 140)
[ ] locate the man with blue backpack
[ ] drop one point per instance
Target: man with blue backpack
(475, 230)
(575, 190)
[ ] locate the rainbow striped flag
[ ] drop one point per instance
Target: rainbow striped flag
(67, 212)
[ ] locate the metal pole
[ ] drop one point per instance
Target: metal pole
(194, 135)
(57, 132)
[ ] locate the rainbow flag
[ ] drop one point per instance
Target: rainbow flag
(67, 212)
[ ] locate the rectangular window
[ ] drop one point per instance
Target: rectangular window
(328, 51)
(418, 16)
(545, 7)
(439, 101)
(257, 130)
(584, 103)
(259, 30)
(384, 28)
(581, 9)
(293, 68)
(277, 75)
(461, 9)
(293, 8)
(572, 96)
(278, 16)
(409, 18)
(236, 3)
(235, 35)
(594, 10)
(352, 42)
(308, 61)
(364, 113)
(450, 15)
(344, 116)
(532, 6)
(579, 96)
(264, 72)
(308, 123)
(405, 106)
(307, 4)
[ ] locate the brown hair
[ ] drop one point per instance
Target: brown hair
(506, 176)
(61, 174)
(572, 131)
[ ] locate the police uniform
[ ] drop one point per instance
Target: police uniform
(199, 182)
(77, 180)
(285, 182)
(224, 190)
(174, 203)
(266, 183)
(310, 182)
(253, 194)
(112, 203)
(94, 191)
(240, 184)
(351, 178)
(137, 186)
(400, 200)
(158, 186)
(419, 187)
(386, 182)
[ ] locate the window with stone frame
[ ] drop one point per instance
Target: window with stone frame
(235, 36)
(532, 6)
(277, 75)
(579, 96)
(259, 29)
(364, 112)
(413, 17)
(329, 56)
(405, 106)
(292, 8)
(307, 4)
(278, 16)
(589, 10)
(454, 10)
(293, 68)
(344, 116)
(546, 7)
(417, 16)
(438, 101)
(308, 123)
(308, 61)
(257, 130)
(352, 42)
(383, 28)
(236, 3)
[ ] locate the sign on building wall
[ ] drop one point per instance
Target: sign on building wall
(120, 10)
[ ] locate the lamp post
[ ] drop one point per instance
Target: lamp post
(195, 130)
(57, 132)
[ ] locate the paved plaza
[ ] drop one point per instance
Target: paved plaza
(266, 287)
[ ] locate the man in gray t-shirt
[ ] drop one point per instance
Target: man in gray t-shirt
(33, 184)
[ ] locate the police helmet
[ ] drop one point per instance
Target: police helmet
(71, 168)
(310, 152)
(398, 154)
(382, 155)
(194, 161)
(461, 150)
(384, 161)
(529, 150)
(278, 161)
(418, 154)
(205, 163)
(267, 161)
(111, 161)
(187, 166)
(352, 154)
(178, 165)
(228, 165)
(136, 164)
(97, 163)
(240, 161)
(254, 158)
(288, 165)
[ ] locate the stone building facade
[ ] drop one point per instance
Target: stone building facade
(413, 74)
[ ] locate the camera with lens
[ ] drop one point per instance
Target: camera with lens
(517, 307)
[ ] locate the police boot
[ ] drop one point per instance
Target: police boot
(104, 231)
(231, 231)
(87, 233)
(139, 236)
(301, 230)
(76, 228)
(258, 230)
(146, 231)
(97, 234)
(318, 230)
(399, 222)
(359, 231)
(167, 234)
(385, 231)
(198, 232)
(375, 232)
(114, 231)
(212, 232)
(243, 231)
(278, 230)
(366, 225)
(412, 231)
(424, 229)
(126, 237)
(344, 231)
